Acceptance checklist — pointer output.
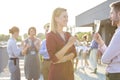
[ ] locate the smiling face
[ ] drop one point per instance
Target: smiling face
(59, 19)
(32, 31)
(62, 19)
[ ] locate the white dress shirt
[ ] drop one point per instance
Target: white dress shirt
(111, 54)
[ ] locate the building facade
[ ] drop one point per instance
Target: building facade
(100, 12)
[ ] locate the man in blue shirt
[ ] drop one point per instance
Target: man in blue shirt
(46, 59)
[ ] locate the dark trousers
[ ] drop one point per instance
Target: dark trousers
(112, 76)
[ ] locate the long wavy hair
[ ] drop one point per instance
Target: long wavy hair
(56, 13)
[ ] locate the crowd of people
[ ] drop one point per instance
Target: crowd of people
(87, 53)
(60, 48)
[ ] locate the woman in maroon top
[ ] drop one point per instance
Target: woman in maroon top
(60, 46)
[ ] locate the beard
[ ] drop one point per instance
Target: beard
(115, 21)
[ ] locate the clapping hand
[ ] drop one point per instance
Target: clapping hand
(37, 44)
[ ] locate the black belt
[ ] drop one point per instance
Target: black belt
(46, 59)
(14, 59)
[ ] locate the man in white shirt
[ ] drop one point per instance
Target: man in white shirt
(111, 54)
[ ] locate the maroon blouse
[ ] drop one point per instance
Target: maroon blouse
(60, 71)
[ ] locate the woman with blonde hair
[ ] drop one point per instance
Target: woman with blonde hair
(60, 46)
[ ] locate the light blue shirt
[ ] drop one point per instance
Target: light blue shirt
(43, 50)
(111, 54)
(94, 44)
(12, 49)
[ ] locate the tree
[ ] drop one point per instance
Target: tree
(41, 36)
(80, 34)
(25, 36)
(4, 37)
(19, 38)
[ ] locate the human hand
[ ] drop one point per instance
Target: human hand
(25, 48)
(98, 39)
(28, 46)
(71, 41)
(36, 42)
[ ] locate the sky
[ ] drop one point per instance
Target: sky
(27, 13)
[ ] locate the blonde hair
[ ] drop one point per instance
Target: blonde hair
(56, 13)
